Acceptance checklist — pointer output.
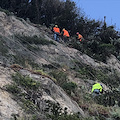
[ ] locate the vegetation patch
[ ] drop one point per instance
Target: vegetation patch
(5, 11)
(60, 76)
(3, 48)
(69, 87)
(57, 113)
(25, 61)
(40, 72)
(115, 113)
(34, 40)
(109, 98)
(14, 89)
(97, 110)
(25, 81)
(24, 89)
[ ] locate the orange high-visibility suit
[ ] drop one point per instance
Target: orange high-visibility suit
(80, 37)
(56, 29)
(65, 33)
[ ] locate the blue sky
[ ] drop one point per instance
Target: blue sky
(97, 9)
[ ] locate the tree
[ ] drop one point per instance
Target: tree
(107, 34)
(68, 15)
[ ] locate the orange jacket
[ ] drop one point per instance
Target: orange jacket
(56, 29)
(65, 33)
(80, 37)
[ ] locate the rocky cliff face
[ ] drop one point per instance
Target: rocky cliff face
(8, 106)
(57, 56)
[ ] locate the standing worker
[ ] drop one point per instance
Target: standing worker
(80, 37)
(56, 31)
(65, 35)
(97, 89)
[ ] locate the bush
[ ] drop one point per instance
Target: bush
(29, 106)
(34, 40)
(60, 76)
(116, 114)
(68, 117)
(13, 88)
(69, 87)
(96, 110)
(25, 91)
(109, 98)
(25, 81)
(5, 11)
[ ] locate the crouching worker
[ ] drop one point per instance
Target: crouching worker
(97, 89)
(79, 36)
(65, 34)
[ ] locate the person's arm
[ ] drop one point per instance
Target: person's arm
(92, 89)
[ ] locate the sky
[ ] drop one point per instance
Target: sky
(97, 9)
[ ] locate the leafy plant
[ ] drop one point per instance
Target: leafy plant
(34, 40)
(26, 81)
(13, 88)
(29, 106)
(60, 76)
(5, 11)
(69, 87)
(25, 61)
(109, 98)
(96, 109)
(24, 90)
(115, 113)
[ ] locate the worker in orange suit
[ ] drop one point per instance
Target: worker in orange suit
(65, 34)
(56, 31)
(80, 37)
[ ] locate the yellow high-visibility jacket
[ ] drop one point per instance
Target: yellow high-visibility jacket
(97, 86)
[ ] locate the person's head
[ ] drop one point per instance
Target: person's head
(56, 25)
(96, 82)
(77, 33)
(63, 29)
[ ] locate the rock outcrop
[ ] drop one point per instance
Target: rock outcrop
(53, 54)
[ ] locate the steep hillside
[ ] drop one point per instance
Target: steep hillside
(40, 77)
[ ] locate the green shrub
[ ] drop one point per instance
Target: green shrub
(41, 72)
(68, 117)
(95, 110)
(32, 47)
(24, 89)
(25, 61)
(69, 87)
(109, 98)
(58, 114)
(29, 106)
(87, 72)
(13, 88)
(25, 81)
(60, 76)
(5, 11)
(19, 59)
(116, 114)
(34, 40)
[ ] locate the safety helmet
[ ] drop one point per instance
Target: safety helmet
(56, 25)
(63, 29)
(77, 33)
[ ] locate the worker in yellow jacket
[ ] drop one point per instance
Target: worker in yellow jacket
(97, 88)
